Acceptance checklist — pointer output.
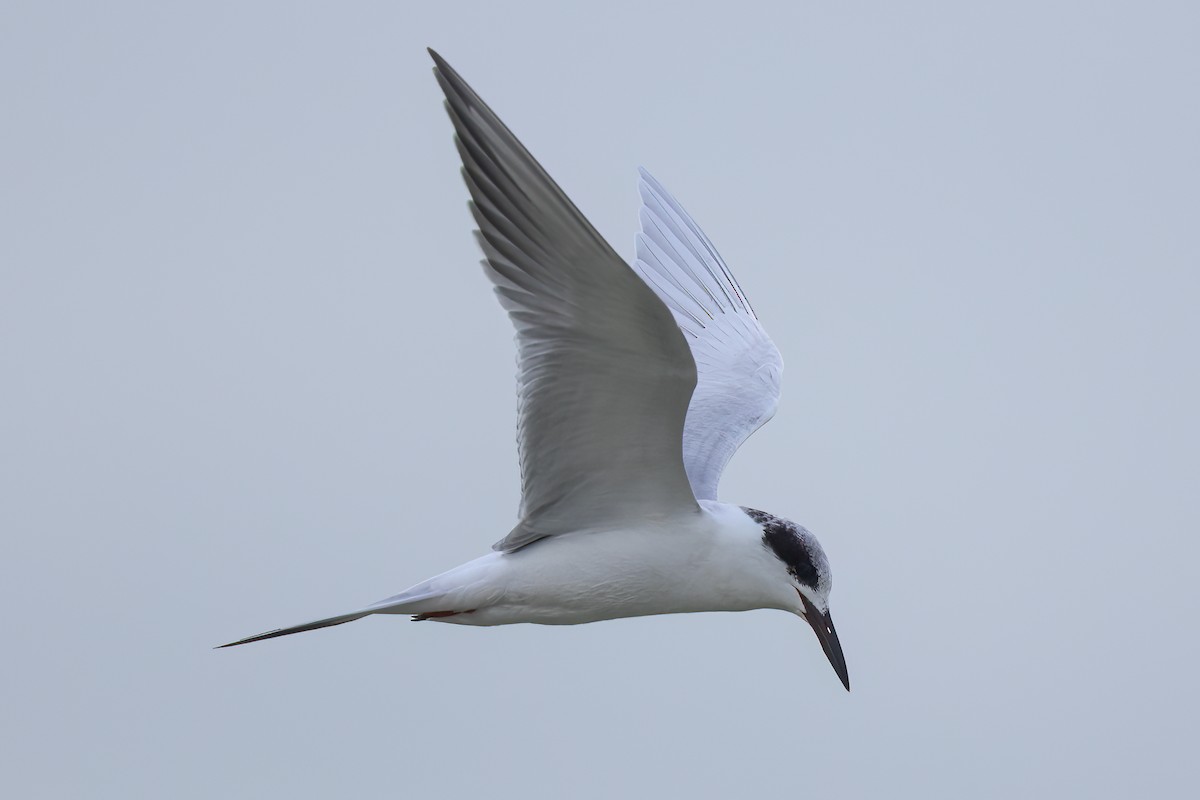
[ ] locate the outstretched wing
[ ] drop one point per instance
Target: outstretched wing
(739, 366)
(604, 374)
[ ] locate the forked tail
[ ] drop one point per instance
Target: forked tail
(419, 600)
(308, 626)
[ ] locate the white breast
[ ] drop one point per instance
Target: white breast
(711, 561)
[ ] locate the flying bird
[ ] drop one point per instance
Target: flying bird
(636, 385)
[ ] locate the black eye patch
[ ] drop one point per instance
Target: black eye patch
(782, 538)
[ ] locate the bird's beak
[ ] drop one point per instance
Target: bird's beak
(822, 625)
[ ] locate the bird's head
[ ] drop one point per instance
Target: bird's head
(802, 559)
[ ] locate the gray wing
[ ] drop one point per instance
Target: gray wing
(739, 366)
(604, 375)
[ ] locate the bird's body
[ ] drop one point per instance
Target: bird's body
(636, 384)
(711, 560)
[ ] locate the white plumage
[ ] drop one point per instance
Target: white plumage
(739, 368)
(636, 387)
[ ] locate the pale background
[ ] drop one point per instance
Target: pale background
(252, 375)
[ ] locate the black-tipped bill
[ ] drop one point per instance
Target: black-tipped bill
(822, 625)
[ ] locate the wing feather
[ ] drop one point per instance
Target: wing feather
(739, 368)
(604, 373)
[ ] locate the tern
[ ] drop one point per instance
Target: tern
(636, 385)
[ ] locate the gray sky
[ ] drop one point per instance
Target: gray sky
(252, 375)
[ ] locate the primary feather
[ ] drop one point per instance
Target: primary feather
(604, 374)
(739, 368)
